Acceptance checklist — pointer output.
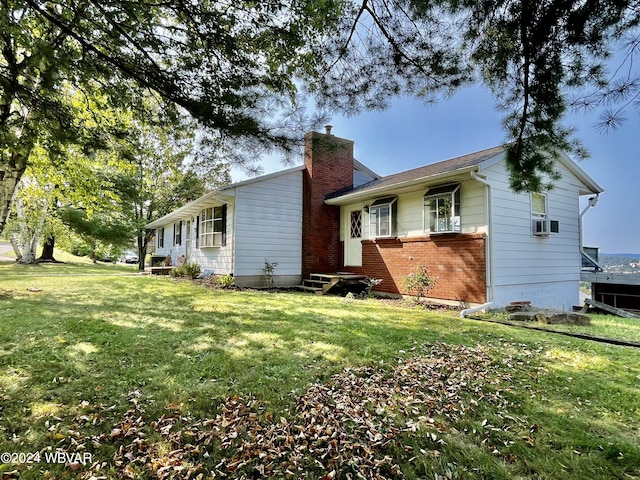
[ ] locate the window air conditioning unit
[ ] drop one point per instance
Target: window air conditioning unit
(540, 227)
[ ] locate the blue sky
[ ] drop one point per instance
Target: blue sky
(410, 134)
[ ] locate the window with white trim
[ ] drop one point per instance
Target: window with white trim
(382, 217)
(356, 224)
(212, 227)
(442, 209)
(177, 233)
(538, 205)
(539, 221)
(160, 233)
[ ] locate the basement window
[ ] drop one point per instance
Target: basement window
(442, 209)
(383, 217)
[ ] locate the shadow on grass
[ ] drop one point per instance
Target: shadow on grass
(173, 339)
(97, 341)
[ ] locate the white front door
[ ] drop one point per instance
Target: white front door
(353, 242)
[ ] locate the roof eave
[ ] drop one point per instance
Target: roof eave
(192, 208)
(592, 186)
(373, 192)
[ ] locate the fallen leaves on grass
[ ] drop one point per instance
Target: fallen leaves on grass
(351, 427)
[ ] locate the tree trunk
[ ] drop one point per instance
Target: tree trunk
(13, 239)
(47, 250)
(142, 251)
(10, 175)
(28, 238)
(29, 250)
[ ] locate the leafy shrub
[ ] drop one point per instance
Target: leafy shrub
(226, 281)
(269, 271)
(191, 270)
(418, 284)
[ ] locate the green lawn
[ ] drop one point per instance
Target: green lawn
(129, 376)
(602, 326)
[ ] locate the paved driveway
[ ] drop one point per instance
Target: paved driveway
(4, 249)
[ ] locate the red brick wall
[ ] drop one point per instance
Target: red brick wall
(458, 260)
(329, 168)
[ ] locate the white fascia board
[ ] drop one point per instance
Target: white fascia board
(261, 178)
(193, 207)
(390, 189)
(490, 162)
(591, 185)
(583, 176)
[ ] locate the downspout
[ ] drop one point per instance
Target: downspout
(593, 201)
(233, 234)
(489, 250)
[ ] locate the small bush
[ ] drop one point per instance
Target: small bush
(419, 283)
(269, 271)
(226, 281)
(191, 270)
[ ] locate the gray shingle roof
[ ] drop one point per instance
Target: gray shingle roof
(424, 172)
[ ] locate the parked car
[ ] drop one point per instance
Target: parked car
(129, 257)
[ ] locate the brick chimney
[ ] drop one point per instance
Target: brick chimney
(328, 168)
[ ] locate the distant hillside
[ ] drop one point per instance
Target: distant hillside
(635, 256)
(620, 262)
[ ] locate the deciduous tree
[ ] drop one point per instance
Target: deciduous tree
(153, 177)
(229, 64)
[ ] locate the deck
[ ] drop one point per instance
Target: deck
(161, 270)
(321, 283)
(620, 291)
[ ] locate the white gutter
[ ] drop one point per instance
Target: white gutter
(190, 209)
(233, 235)
(593, 201)
(489, 250)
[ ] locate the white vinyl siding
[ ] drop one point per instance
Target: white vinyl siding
(410, 212)
(269, 225)
(169, 238)
(218, 260)
(360, 178)
(536, 268)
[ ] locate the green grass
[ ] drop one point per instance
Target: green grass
(601, 326)
(95, 341)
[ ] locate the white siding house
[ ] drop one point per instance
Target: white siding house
(542, 268)
(232, 231)
(268, 226)
(252, 222)
(486, 244)
(520, 263)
